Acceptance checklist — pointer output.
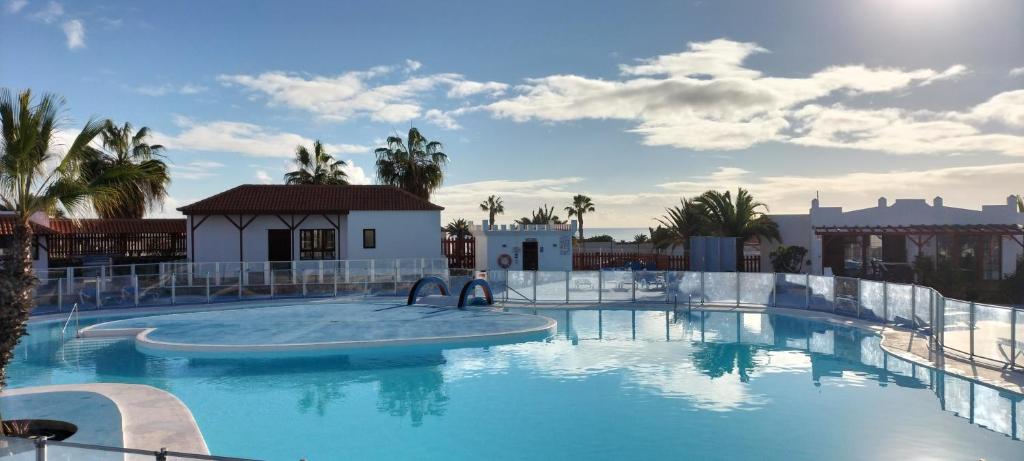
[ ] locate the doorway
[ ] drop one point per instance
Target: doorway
(530, 256)
(279, 245)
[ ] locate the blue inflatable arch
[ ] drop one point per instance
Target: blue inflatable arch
(423, 281)
(467, 290)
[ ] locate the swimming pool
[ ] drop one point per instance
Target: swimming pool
(610, 384)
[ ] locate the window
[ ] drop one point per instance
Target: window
(369, 238)
(316, 244)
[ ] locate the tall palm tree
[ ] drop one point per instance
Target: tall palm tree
(316, 167)
(416, 164)
(459, 228)
(34, 178)
(126, 148)
(493, 206)
(681, 222)
(743, 218)
(543, 215)
(581, 205)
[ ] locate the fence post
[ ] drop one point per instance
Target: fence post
(835, 308)
(775, 284)
(207, 288)
(913, 308)
(568, 275)
(271, 284)
(60, 295)
(600, 285)
(702, 288)
(99, 294)
(633, 274)
(216, 273)
(535, 287)
(373, 270)
(398, 275)
(173, 288)
(972, 320)
(41, 449)
(346, 271)
(303, 285)
(320, 275)
(738, 291)
(885, 302)
(807, 291)
(1013, 338)
(135, 283)
(239, 286)
(857, 297)
(335, 277)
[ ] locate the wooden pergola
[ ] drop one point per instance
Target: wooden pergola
(922, 235)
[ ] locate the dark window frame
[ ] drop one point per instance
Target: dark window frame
(317, 244)
(369, 238)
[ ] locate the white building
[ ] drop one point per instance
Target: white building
(544, 247)
(256, 223)
(888, 238)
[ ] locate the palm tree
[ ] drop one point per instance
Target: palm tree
(128, 149)
(742, 218)
(681, 222)
(317, 167)
(543, 215)
(416, 165)
(493, 206)
(1020, 203)
(581, 205)
(459, 228)
(33, 179)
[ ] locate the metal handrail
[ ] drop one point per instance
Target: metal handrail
(161, 454)
(74, 313)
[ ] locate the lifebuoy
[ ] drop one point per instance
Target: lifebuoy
(504, 261)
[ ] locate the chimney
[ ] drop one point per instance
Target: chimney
(937, 203)
(882, 203)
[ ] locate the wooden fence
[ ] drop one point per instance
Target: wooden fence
(651, 261)
(461, 253)
(65, 249)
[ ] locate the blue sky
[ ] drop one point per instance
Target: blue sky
(633, 103)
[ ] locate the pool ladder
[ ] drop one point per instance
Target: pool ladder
(74, 313)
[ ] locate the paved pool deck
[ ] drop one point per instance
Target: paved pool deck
(113, 415)
(321, 328)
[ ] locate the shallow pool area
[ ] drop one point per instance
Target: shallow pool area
(608, 384)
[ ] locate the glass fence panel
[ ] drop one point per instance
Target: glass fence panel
(650, 286)
(899, 301)
(1018, 341)
(409, 270)
(957, 325)
(616, 286)
(872, 300)
(720, 287)
(822, 292)
(357, 271)
(685, 286)
(520, 286)
(992, 332)
(847, 296)
(49, 295)
(791, 290)
(922, 307)
(992, 410)
(551, 285)
(756, 288)
(17, 448)
(285, 283)
(583, 286)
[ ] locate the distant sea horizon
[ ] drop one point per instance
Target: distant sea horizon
(617, 233)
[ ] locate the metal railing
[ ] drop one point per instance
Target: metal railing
(41, 449)
(180, 283)
(989, 332)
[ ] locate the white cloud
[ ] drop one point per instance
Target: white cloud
(1017, 72)
(263, 177)
(705, 98)
(1006, 108)
(243, 138)
(166, 88)
(50, 13)
(74, 30)
(412, 65)
(358, 94)
(356, 175)
(441, 119)
(197, 169)
(14, 6)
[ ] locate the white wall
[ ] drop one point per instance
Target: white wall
(795, 230)
(554, 247)
(400, 234)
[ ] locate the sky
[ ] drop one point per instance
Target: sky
(635, 104)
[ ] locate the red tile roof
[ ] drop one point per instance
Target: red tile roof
(7, 223)
(283, 199)
(118, 226)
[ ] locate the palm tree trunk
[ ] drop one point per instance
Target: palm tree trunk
(16, 284)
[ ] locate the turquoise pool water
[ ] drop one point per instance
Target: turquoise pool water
(612, 384)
